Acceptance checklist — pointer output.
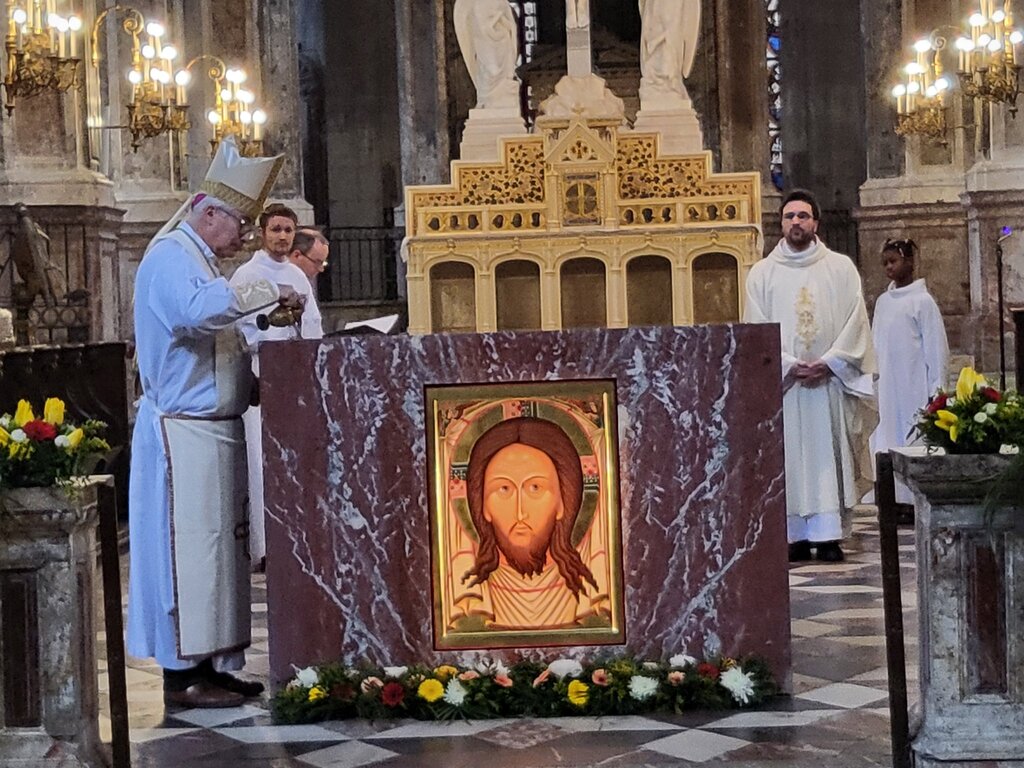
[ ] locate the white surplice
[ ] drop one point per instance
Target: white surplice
(263, 266)
(913, 353)
(187, 600)
(815, 297)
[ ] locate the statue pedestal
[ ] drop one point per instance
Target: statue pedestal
(679, 128)
(484, 128)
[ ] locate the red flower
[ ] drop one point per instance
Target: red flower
(708, 670)
(937, 403)
(40, 430)
(393, 694)
(992, 394)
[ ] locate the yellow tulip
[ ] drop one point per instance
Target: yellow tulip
(53, 411)
(316, 693)
(75, 438)
(969, 380)
(948, 421)
(5, 436)
(24, 414)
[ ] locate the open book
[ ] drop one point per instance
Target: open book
(384, 324)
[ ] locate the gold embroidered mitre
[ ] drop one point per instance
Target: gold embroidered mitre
(241, 182)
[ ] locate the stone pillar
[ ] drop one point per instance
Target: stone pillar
(49, 698)
(970, 577)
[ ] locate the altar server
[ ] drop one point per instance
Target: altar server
(912, 351)
(189, 571)
(278, 225)
(828, 361)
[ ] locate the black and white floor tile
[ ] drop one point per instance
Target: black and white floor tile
(838, 714)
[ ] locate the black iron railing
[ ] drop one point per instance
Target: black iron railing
(363, 265)
(839, 231)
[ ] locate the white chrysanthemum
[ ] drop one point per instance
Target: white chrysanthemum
(61, 441)
(395, 671)
(307, 677)
(455, 692)
(19, 436)
(981, 417)
(565, 668)
(642, 687)
(738, 683)
(682, 660)
(991, 409)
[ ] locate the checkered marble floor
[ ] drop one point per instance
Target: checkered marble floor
(837, 716)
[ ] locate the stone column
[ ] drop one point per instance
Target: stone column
(49, 698)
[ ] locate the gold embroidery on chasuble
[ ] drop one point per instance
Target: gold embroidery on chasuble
(806, 323)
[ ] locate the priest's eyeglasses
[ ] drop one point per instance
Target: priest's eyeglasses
(246, 228)
(801, 215)
(321, 265)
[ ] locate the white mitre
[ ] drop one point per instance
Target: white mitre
(242, 183)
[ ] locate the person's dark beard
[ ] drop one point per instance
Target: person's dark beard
(800, 240)
(525, 560)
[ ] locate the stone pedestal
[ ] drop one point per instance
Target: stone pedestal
(483, 130)
(49, 702)
(679, 128)
(970, 599)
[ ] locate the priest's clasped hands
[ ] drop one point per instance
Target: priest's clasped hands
(808, 374)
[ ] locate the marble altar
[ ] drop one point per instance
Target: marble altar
(701, 487)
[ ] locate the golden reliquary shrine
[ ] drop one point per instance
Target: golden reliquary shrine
(580, 225)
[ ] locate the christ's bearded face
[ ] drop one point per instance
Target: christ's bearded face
(522, 502)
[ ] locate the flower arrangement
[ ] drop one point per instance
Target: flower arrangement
(490, 689)
(46, 451)
(975, 418)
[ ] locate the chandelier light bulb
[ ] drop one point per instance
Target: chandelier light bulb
(134, 77)
(913, 68)
(19, 16)
(226, 94)
(148, 51)
(51, 20)
(233, 76)
(913, 87)
(932, 92)
(977, 20)
(75, 23)
(259, 117)
(61, 24)
(965, 44)
(995, 46)
(183, 77)
(245, 116)
(213, 116)
(899, 90)
(984, 40)
(1017, 37)
(169, 53)
(246, 97)
(942, 84)
(154, 29)
(923, 45)
(999, 16)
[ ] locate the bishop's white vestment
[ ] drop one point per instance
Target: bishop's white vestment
(263, 266)
(189, 577)
(815, 297)
(913, 353)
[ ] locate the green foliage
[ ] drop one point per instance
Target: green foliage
(975, 418)
(612, 686)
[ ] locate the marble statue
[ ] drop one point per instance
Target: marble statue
(577, 14)
(488, 38)
(668, 42)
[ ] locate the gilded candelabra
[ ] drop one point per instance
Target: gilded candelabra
(158, 103)
(41, 46)
(234, 112)
(988, 65)
(921, 101)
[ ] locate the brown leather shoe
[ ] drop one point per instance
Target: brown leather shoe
(203, 695)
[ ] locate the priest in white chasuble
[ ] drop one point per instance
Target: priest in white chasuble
(188, 603)
(828, 362)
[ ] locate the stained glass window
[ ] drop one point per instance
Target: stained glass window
(772, 49)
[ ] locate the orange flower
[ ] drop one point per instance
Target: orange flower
(469, 674)
(676, 677)
(542, 678)
(600, 677)
(503, 680)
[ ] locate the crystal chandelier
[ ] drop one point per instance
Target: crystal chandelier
(921, 100)
(988, 62)
(41, 51)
